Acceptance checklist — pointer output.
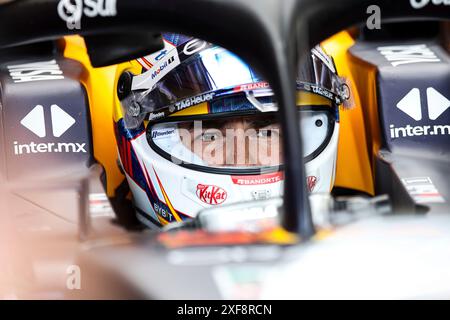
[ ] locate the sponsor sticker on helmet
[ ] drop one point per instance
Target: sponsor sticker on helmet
(163, 211)
(211, 194)
(257, 179)
(158, 67)
(311, 181)
(156, 115)
(252, 86)
(194, 46)
(162, 133)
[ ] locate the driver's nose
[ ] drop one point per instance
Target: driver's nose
(242, 150)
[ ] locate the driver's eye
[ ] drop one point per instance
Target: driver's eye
(265, 133)
(268, 133)
(209, 137)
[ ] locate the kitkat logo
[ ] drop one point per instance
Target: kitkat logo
(211, 194)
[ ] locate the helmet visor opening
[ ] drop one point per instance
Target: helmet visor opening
(237, 142)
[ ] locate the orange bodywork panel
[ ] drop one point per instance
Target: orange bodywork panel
(100, 87)
(353, 169)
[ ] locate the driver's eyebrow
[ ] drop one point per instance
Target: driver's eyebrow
(258, 123)
(213, 124)
(186, 125)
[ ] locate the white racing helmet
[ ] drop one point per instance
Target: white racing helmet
(200, 129)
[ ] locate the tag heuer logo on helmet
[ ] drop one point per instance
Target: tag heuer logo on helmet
(211, 194)
(186, 103)
(162, 133)
(322, 92)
